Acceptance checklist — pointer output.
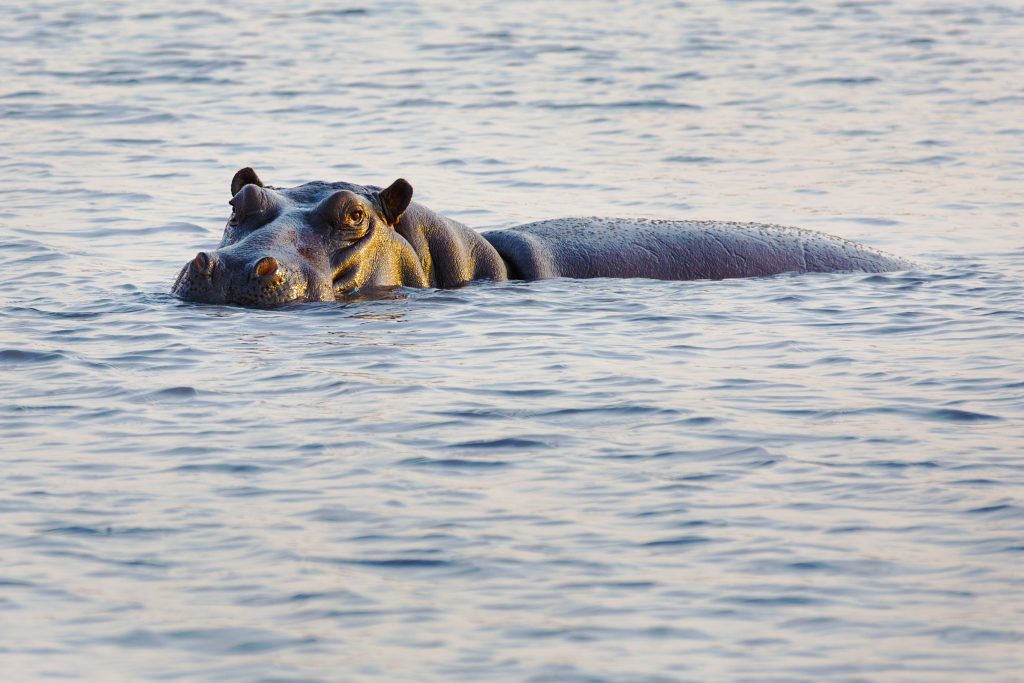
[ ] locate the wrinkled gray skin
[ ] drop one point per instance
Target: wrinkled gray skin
(321, 241)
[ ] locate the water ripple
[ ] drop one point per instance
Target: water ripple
(795, 478)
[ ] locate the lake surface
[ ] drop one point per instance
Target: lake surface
(798, 478)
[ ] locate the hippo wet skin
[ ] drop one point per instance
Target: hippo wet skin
(320, 241)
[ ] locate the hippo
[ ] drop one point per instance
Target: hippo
(322, 241)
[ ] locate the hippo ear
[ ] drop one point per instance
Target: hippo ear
(395, 200)
(245, 176)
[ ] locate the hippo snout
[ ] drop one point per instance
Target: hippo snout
(225, 278)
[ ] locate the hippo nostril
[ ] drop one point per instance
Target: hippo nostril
(202, 263)
(265, 267)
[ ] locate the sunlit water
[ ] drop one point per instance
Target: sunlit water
(799, 478)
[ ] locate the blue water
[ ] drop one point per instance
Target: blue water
(798, 478)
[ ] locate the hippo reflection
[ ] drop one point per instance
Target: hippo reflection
(319, 241)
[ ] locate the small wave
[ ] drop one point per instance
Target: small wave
(967, 634)
(841, 80)
(77, 530)
(20, 356)
(756, 453)
(781, 601)
(1000, 509)
(500, 444)
(624, 104)
(956, 415)
(222, 468)
(454, 463)
(688, 76)
(684, 159)
(211, 640)
(610, 410)
(338, 12)
(173, 392)
(933, 160)
(677, 541)
(398, 563)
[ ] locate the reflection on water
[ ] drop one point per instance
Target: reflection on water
(798, 478)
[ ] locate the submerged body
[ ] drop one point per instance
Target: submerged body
(676, 250)
(319, 241)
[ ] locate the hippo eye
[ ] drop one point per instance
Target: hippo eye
(356, 216)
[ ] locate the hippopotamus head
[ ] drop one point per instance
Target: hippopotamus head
(313, 242)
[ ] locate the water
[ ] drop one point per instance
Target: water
(800, 478)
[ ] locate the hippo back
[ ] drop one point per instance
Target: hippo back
(676, 250)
